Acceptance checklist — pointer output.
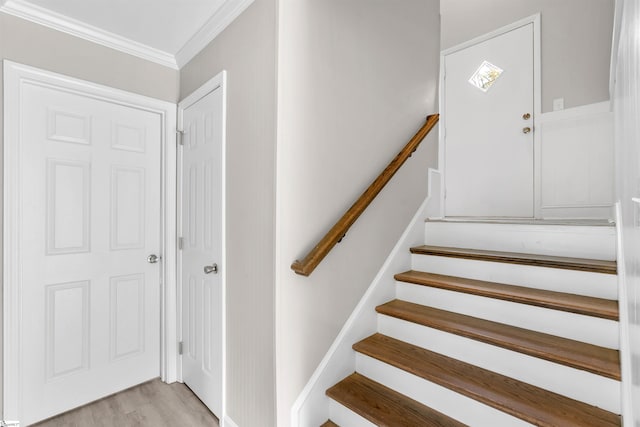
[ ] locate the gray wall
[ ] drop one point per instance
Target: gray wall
(31, 44)
(356, 80)
(576, 41)
(247, 50)
(626, 107)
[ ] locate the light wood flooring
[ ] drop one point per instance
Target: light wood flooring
(153, 403)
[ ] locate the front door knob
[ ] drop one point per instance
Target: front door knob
(208, 269)
(526, 130)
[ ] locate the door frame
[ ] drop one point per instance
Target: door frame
(537, 105)
(16, 75)
(219, 82)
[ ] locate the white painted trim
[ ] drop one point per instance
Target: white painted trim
(217, 23)
(14, 76)
(596, 111)
(537, 112)
(228, 422)
(39, 15)
(537, 100)
(217, 82)
(224, 16)
(312, 406)
(169, 319)
(615, 43)
(434, 209)
(625, 344)
(490, 35)
(576, 112)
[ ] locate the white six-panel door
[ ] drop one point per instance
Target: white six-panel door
(489, 143)
(90, 209)
(202, 251)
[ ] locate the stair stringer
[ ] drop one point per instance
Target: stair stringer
(311, 408)
(625, 325)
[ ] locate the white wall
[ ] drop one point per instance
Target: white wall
(576, 41)
(626, 101)
(247, 50)
(356, 80)
(28, 43)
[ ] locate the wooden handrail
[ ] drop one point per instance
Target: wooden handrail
(339, 230)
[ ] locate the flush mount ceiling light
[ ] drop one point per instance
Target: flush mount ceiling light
(485, 76)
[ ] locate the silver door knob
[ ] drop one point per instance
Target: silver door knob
(208, 269)
(526, 130)
(153, 258)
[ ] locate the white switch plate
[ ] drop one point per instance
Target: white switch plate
(558, 104)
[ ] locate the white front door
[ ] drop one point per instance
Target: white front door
(488, 122)
(89, 302)
(201, 255)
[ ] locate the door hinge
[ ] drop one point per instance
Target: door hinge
(180, 243)
(180, 137)
(180, 348)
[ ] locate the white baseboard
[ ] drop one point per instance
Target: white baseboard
(312, 405)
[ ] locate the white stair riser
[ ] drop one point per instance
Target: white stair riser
(592, 330)
(555, 240)
(441, 399)
(343, 416)
(554, 279)
(573, 383)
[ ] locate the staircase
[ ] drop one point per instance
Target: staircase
(495, 325)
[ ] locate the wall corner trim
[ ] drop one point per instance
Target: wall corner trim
(228, 422)
(39, 15)
(215, 25)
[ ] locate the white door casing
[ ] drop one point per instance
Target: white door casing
(86, 190)
(488, 160)
(201, 213)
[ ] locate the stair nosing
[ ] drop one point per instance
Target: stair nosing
(566, 263)
(518, 294)
(510, 402)
(383, 393)
(534, 343)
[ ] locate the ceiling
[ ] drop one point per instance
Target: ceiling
(169, 32)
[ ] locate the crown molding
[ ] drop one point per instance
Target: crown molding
(39, 15)
(220, 20)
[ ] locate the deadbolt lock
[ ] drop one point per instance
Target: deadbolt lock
(526, 116)
(208, 269)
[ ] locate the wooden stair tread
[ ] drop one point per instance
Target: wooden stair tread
(579, 355)
(329, 423)
(590, 265)
(590, 306)
(384, 406)
(527, 402)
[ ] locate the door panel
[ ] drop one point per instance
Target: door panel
(90, 186)
(201, 209)
(488, 158)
